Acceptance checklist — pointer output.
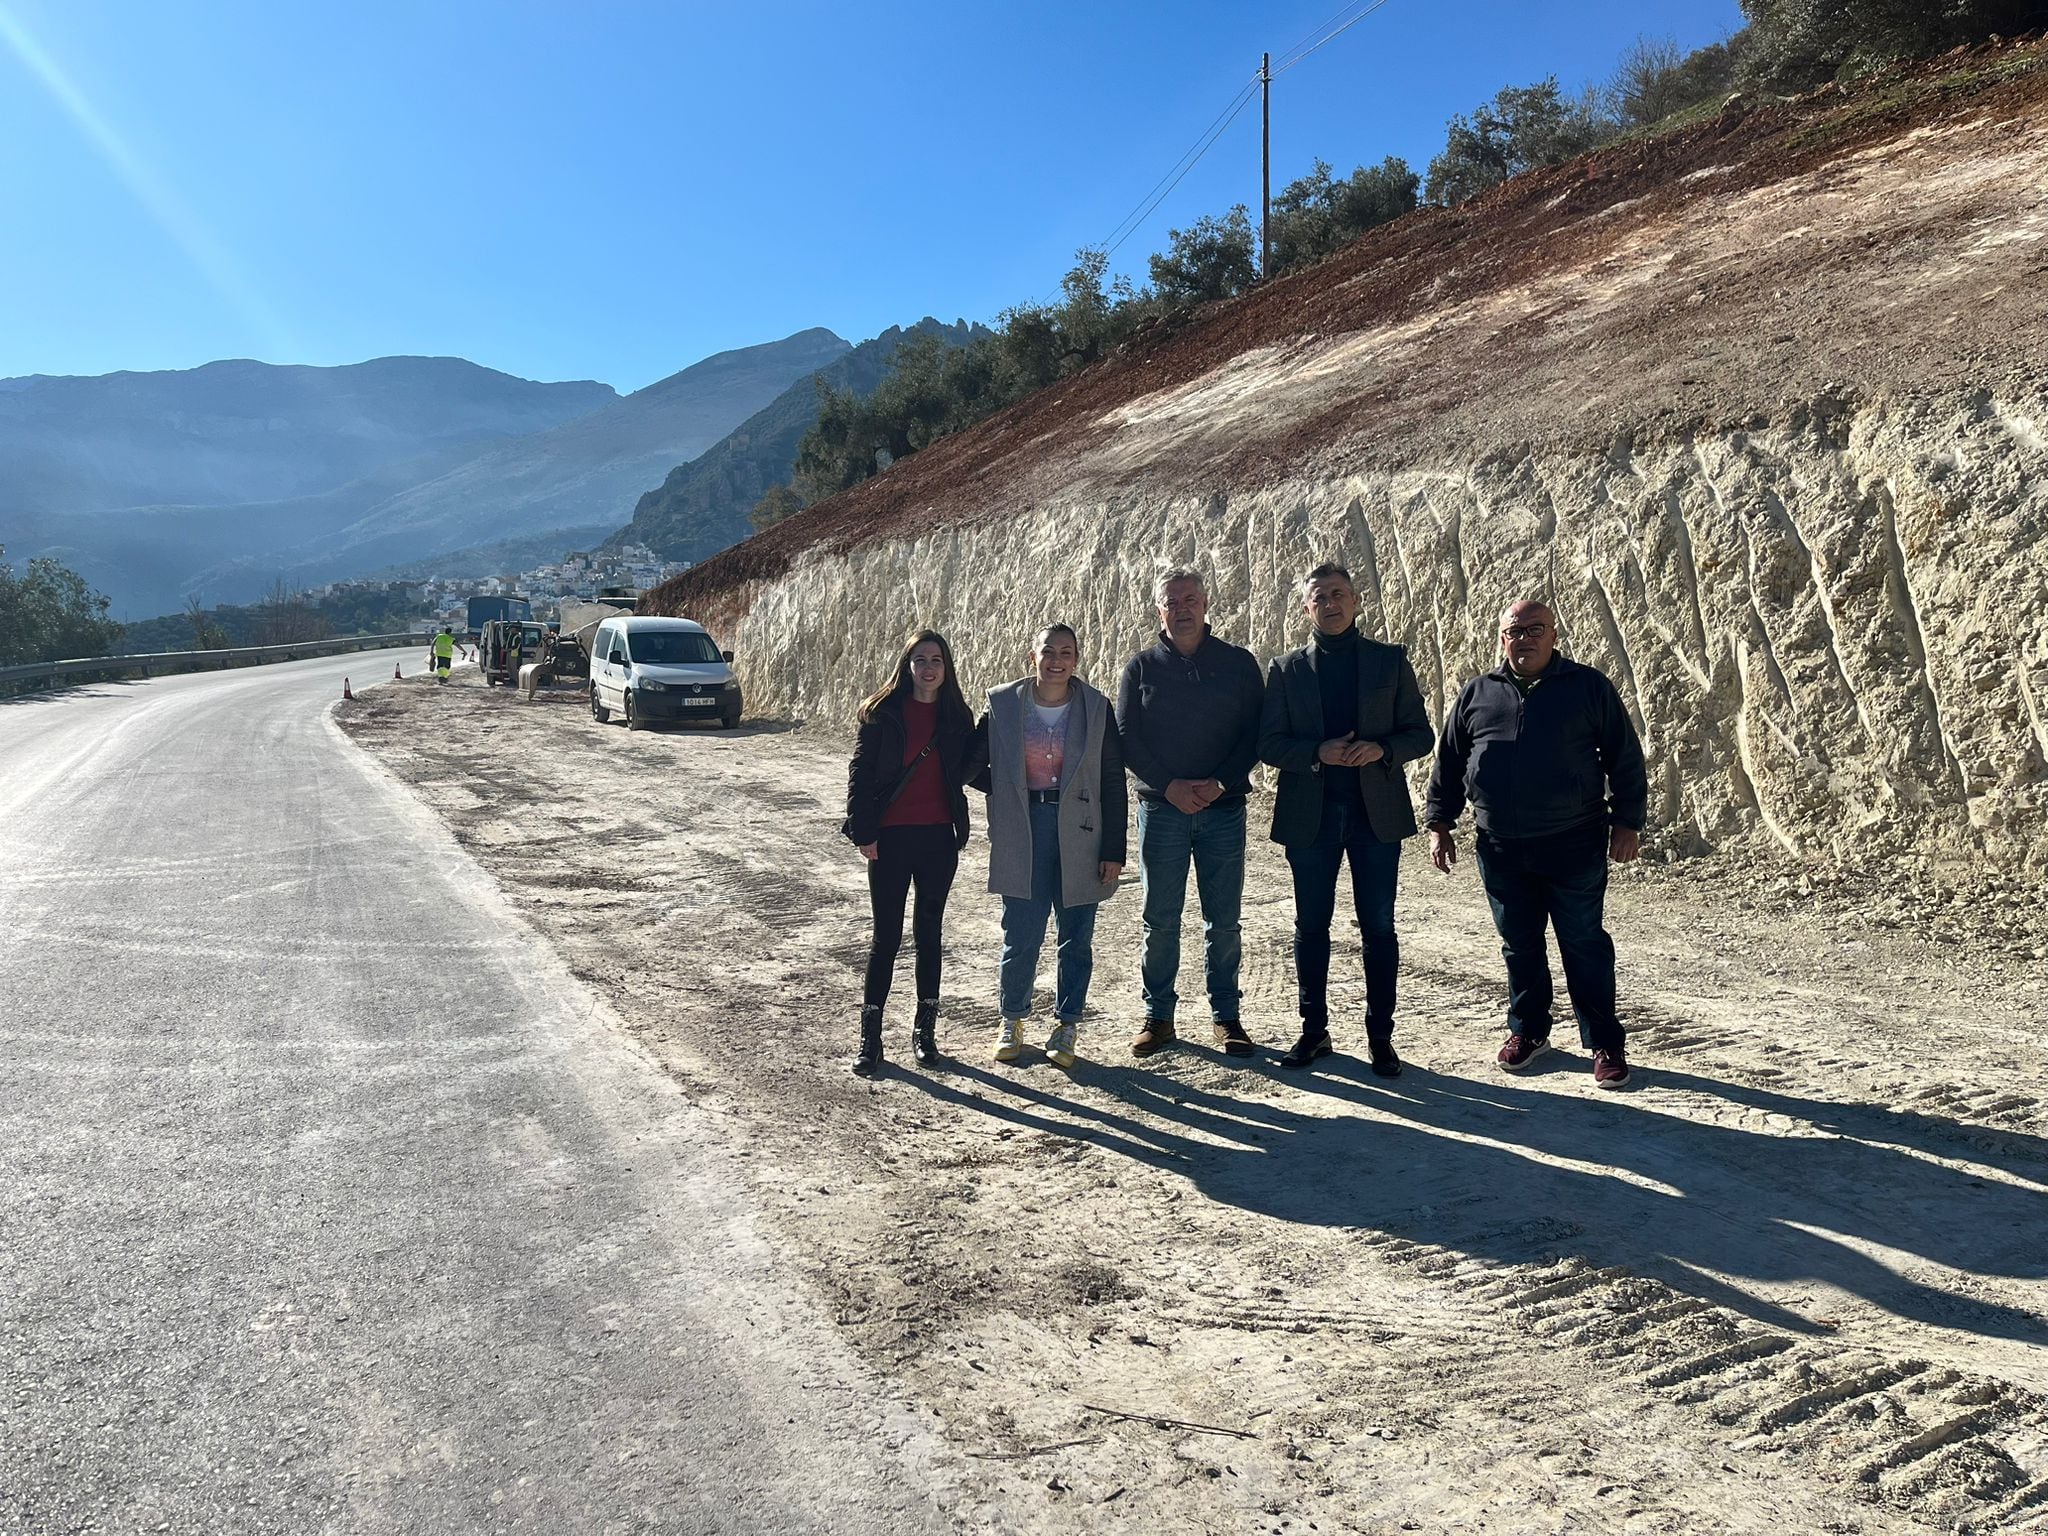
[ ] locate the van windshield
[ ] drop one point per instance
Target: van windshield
(674, 647)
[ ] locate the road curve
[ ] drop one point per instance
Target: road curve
(331, 1203)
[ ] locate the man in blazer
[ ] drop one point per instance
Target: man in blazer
(1342, 714)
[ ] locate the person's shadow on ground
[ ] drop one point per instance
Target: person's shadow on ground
(1686, 1199)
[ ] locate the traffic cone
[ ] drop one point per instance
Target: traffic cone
(396, 675)
(345, 690)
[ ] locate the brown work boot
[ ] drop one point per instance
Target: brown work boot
(1157, 1035)
(1231, 1036)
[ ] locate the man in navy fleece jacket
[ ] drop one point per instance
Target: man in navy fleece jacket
(1543, 749)
(1187, 711)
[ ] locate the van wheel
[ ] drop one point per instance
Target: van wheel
(730, 722)
(632, 720)
(597, 711)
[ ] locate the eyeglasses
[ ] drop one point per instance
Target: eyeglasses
(1525, 631)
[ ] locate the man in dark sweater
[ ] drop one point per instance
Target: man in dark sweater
(1188, 713)
(1342, 715)
(1544, 750)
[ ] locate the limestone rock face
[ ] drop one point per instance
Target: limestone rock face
(1761, 408)
(1833, 636)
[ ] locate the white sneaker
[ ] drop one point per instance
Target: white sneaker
(1059, 1046)
(1010, 1040)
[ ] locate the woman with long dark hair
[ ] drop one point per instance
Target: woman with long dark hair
(907, 813)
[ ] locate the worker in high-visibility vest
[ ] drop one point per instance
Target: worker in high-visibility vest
(444, 652)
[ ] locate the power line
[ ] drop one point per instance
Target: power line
(1331, 29)
(1161, 189)
(1330, 36)
(1300, 49)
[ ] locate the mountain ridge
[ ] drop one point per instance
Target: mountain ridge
(158, 483)
(572, 475)
(701, 507)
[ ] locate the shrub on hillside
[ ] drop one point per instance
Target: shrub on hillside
(1211, 259)
(1798, 44)
(1524, 126)
(48, 613)
(1656, 80)
(933, 389)
(1318, 215)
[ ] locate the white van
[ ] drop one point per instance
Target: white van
(644, 668)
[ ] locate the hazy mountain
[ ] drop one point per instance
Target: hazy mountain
(244, 432)
(141, 480)
(702, 506)
(222, 478)
(564, 480)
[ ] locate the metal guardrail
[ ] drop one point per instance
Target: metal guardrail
(165, 662)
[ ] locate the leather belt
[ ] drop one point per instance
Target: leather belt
(1044, 796)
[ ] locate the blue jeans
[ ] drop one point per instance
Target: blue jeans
(1562, 880)
(1024, 920)
(1375, 873)
(1213, 840)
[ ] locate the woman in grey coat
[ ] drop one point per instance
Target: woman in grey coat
(1056, 827)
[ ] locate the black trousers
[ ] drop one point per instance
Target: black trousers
(1346, 835)
(1559, 881)
(923, 857)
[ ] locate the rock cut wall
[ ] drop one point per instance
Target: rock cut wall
(1831, 634)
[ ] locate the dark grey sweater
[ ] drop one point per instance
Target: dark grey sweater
(1564, 754)
(1191, 717)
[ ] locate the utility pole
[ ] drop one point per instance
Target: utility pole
(1265, 166)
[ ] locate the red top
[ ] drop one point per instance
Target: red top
(923, 801)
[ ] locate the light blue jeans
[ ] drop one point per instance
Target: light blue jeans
(1024, 923)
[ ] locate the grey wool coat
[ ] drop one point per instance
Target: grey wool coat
(1093, 801)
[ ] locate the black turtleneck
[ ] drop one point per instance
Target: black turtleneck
(1337, 677)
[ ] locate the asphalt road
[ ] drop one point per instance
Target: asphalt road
(329, 1202)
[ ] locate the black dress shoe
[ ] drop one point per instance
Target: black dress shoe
(1386, 1062)
(1307, 1049)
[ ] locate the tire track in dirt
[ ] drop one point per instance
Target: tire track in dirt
(1935, 1443)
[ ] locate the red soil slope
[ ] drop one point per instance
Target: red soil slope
(1728, 272)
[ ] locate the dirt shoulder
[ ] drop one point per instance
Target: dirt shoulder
(1792, 1279)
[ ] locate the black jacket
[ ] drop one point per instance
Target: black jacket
(1563, 755)
(877, 766)
(1191, 717)
(1390, 712)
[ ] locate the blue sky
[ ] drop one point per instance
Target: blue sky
(613, 189)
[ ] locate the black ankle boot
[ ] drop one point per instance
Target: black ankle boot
(869, 1061)
(923, 1036)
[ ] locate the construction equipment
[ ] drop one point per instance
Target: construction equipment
(504, 646)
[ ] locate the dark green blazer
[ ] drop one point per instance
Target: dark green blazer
(1390, 712)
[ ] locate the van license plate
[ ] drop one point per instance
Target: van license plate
(698, 703)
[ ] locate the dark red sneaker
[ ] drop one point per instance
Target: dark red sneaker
(1610, 1069)
(1520, 1051)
